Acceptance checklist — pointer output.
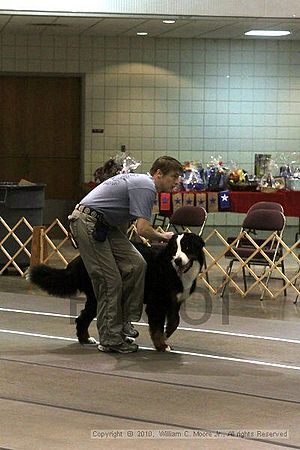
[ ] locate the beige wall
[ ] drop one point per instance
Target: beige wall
(188, 98)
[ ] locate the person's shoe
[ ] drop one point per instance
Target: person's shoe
(125, 347)
(129, 340)
(130, 331)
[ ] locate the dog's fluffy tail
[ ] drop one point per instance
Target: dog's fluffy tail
(57, 282)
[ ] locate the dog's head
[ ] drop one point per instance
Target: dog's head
(183, 249)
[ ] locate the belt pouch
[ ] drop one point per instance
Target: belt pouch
(100, 231)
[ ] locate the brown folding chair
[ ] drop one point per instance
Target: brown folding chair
(266, 205)
(260, 205)
(259, 221)
(187, 217)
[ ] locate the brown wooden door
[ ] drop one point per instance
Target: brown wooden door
(40, 132)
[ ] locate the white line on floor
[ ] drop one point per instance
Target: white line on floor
(199, 355)
(195, 330)
(245, 335)
(37, 313)
(46, 336)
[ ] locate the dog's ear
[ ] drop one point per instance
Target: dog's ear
(201, 241)
(198, 244)
(173, 238)
(171, 246)
(198, 241)
(201, 244)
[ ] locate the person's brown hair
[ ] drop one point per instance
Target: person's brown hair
(166, 164)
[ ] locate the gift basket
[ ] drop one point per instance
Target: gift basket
(216, 174)
(120, 163)
(290, 171)
(269, 182)
(239, 180)
(192, 177)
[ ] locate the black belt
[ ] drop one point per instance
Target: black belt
(91, 212)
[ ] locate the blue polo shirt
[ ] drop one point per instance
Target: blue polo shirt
(123, 198)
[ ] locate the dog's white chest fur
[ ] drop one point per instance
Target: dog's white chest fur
(188, 277)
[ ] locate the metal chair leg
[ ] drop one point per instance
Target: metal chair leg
(228, 271)
(205, 267)
(267, 282)
(283, 271)
(244, 278)
(296, 299)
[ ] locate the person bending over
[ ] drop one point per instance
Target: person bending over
(116, 268)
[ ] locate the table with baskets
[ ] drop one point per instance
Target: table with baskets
(238, 202)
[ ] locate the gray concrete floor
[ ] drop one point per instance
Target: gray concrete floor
(235, 372)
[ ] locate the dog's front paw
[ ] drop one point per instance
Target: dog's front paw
(159, 341)
(163, 347)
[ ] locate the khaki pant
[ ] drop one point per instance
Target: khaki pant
(117, 271)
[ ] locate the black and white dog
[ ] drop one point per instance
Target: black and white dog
(172, 271)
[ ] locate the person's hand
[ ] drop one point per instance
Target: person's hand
(167, 235)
